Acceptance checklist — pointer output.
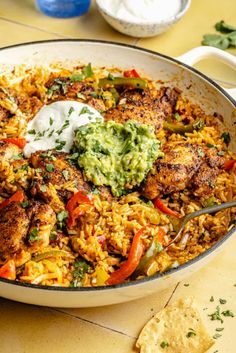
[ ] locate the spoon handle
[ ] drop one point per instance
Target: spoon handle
(198, 213)
(209, 210)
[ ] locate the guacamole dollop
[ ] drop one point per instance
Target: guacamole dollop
(117, 155)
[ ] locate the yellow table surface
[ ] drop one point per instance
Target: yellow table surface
(31, 329)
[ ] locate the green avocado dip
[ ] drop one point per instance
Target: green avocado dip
(117, 155)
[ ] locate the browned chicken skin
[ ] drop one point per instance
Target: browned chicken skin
(19, 226)
(43, 219)
(55, 171)
(14, 223)
(63, 88)
(183, 165)
(145, 106)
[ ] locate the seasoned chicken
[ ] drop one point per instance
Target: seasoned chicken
(184, 165)
(56, 178)
(14, 224)
(43, 219)
(8, 151)
(145, 106)
(61, 88)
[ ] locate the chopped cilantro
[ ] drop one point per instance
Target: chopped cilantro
(81, 96)
(177, 116)
(216, 315)
(191, 333)
(25, 204)
(60, 145)
(216, 336)
(222, 301)
(77, 77)
(219, 329)
(71, 110)
(61, 217)
(227, 313)
(51, 133)
(50, 167)
(85, 110)
(200, 152)
(66, 174)
(93, 94)
(164, 344)
(209, 145)
(33, 234)
(38, 170)
(64, 126)
(43, 188)
(110, 77)
(226, 137)
(32, 132)
(51, 121)
(87, 71)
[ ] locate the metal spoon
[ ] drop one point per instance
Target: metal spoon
(180, 223)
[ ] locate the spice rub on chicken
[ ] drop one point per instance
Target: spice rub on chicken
(67, 88)
(183, 165)
(148, 106)
(21, 226)
(56, 179)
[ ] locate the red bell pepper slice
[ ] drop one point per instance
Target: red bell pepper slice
(20, 142)
(158, 203)
(77, 206)
(129, 266)
(8, 270)
(18, 196)
(131, 73)
(228, 164)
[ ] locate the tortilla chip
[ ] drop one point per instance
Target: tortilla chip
(176, 329)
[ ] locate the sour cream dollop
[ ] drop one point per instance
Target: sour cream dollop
(54, 125)
(143, 10)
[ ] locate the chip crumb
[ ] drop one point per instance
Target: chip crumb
(177, 328)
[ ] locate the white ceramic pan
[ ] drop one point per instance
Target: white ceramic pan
(196, 86)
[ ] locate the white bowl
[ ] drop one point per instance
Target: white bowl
(141, 29)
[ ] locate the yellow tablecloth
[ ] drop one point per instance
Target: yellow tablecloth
(29, 329)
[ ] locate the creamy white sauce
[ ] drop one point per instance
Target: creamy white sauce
(143, 10)
(54, 125)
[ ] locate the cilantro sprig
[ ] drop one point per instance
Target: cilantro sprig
(223, 41)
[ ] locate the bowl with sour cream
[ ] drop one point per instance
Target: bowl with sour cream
(142, 18)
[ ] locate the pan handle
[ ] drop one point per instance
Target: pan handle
(199, 53)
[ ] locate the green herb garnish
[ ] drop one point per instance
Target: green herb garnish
(226, 137)
(32, 132)
(222, 301)
(110, 77)
(25, 204)
(66, 174)
(61, 217)
(81, 96)
(43, 188)
(216, 336)
(216, 315)
(225, 40)
(71, 110)
(191, 333)
(177, 116)
(85, 110)
(50, 167)
(227, 313)
(164, 344)
(33, 234)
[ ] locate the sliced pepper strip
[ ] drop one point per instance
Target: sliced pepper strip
(8, 270)
(158, 203)
(131, 73)
(18, 196)
(129, 266)
(228, 164)
(179, 128)
(77, 206)
(20, 142)
(154, 248)
(123, 81)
